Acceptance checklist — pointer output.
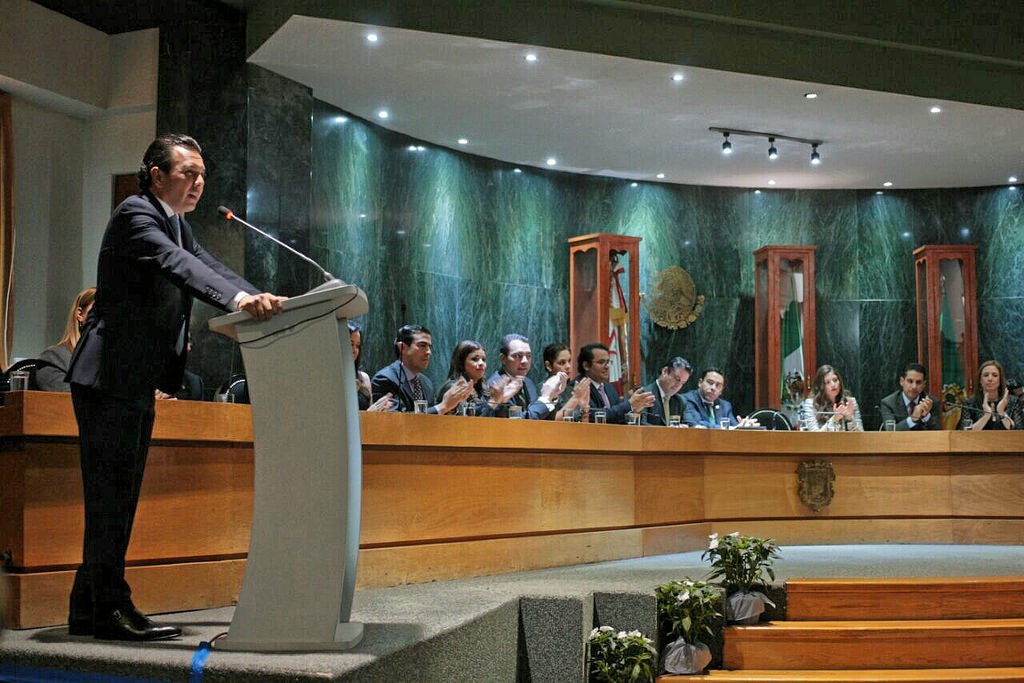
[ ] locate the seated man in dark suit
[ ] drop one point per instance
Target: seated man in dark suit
(405, 381)
(705, 408)
(674, 374)
(516, 360)
(911, 407)
(594, 362)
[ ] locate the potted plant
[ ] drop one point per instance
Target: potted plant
(620, 656)
(688, 610)
(741, 563)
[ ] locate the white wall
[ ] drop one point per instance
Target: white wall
(83, 110)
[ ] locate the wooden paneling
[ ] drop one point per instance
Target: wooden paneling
(445, 497)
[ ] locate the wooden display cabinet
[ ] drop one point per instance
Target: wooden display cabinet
(604, 274)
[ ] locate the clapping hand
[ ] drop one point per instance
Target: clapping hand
(554, 385)
(640, 399)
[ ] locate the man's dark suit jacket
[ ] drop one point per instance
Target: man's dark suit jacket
(394, 379)
(192, 387)
(528, 399)
(144, 288)
(618, 406)
(696, 413)
(892, 407)
(656, 413)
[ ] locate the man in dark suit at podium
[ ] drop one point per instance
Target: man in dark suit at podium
(132, 345)
(674, 374)
(910, 408)
(594, 361)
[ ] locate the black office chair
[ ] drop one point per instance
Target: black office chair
(772, 420)
(237, 387)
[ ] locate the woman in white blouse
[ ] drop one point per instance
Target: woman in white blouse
(829, 408)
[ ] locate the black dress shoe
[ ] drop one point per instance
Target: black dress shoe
(128, 624)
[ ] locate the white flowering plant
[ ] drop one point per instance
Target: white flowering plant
(689, 609)
(741, 562)
(620, 656)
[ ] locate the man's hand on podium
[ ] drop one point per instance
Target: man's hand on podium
(261, 306)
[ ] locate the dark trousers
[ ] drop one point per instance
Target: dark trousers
(114, 436)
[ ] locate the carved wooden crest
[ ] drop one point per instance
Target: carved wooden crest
(674, 302)
(816, 489)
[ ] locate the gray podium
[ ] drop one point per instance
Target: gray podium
(301, 570)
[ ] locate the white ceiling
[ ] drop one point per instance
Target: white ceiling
(627, 118)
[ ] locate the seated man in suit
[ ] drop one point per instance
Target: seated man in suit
(911, 407)
(405, 381)
(674, 374)
(705, 408)
(594, 362)
(516, 360)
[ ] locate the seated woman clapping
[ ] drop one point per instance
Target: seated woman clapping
(829, 408)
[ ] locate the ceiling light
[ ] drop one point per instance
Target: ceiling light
(887, 183)
(383, 114)
(811, 95)
(815, 157)
(773, 153)
(771, 182)
(372, 37)
(726, 146)
(1012, 179)
(531, 57)
(677, 77)
(936, 110)
(660, 176)
(463, 141)
(552, 161)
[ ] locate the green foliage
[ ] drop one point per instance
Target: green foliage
(691, 609)
(620, 657)
(741, 562)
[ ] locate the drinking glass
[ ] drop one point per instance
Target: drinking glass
(419, 407)
(515, 412)
(674, 421)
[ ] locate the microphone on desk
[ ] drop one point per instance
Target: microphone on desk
(329, 279)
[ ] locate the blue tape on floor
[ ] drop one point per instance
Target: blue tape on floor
(198, 662)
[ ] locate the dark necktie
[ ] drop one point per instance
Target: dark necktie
(176, 228)
(417, 388)
(910, 407)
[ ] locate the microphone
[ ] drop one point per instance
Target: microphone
(329, 280)
(964, 406)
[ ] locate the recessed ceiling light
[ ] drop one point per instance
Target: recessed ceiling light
(887, 183)
(936, 110)
(771, 182)
(531, 57)
(463, 141)
(372, 37)
(1012, 179)
(660, 176)
(677, 77)
(811, 95)
(552, 161)
(383, 114)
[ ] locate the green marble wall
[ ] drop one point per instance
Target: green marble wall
(472, 249)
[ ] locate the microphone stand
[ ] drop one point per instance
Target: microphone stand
(329, 280)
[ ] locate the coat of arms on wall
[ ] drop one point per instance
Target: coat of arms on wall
(816, 489)
(674, 302)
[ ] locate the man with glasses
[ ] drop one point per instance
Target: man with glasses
(516, 360)
(674, 374)
(594, 362)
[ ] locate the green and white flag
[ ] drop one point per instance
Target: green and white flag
(792, 345)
